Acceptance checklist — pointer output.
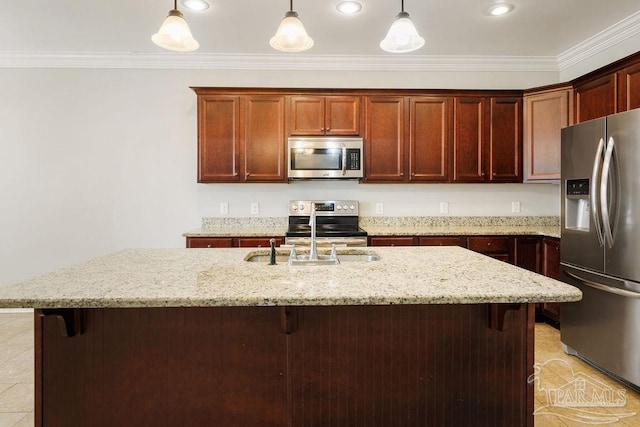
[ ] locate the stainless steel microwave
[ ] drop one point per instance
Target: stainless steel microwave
(325, 158)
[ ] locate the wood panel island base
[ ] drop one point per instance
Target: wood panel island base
(419, 336)
(404, 365)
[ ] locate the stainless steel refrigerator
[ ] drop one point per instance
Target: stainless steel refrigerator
(600, 245)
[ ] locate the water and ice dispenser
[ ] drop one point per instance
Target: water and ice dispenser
(577, 204)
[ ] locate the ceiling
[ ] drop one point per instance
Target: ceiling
(538, 28)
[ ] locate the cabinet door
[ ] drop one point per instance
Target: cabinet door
(264, 139)
(429, 139)
(384, 139)
(545, 115)
(629, 88)
(307, 115)
(499, 247)
(209, 242)
(551, 257)
(596, 98)
(504, 147)
(342, 115)
(468, 136)
(528, 253)
(219, 138)
(391, 241)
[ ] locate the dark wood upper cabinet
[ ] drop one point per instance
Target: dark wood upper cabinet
(595, 98)
(219, 140)
(469, 129)
(629, 88)
(545, 114)
(264, 139)
(325, 115)
(241, 138)
(385, 138)
(504, 148)
(429, 139)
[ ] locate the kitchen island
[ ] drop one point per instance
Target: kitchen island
(422, 336)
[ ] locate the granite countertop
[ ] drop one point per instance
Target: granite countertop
(392, 226)
(221, 277)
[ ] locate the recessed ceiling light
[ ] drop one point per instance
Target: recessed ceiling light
(196, 4)
(499, 9)
(349, 7)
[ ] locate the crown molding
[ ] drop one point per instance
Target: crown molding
(196, 61)
(615, 34)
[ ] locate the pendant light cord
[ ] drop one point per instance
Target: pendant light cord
(175, 4)
(401, 5)
(291, 5)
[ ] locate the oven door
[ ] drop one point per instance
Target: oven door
(327, 242)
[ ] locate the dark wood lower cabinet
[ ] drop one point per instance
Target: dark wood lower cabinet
(232, 242)
(411, 365)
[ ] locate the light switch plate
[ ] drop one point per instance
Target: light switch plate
(515, 207)
(379, 208)
(255, 208)
(444, 207)
(224, 208)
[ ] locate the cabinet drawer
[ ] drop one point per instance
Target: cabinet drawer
(440, 241)
(257, 242)
(489, 244)
(391, 241)
(209, 242)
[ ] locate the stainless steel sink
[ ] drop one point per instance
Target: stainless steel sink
(283, 258)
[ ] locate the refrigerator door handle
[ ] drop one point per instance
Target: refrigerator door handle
(594, 191)
(605, 288)
(604, 192)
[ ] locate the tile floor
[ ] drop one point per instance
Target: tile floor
(558, 373)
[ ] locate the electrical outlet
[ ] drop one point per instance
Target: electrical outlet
(444, 207)
(255, 208)
(515, 207)
(379, 208)
(224, 208)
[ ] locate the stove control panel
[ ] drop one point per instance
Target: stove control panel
(324, 207)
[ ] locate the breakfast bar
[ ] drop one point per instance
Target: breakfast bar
(408, 336)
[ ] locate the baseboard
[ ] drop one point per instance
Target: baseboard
(15, 310)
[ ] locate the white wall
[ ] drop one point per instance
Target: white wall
(93, 161)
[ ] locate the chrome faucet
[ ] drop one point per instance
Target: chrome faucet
(313, 252)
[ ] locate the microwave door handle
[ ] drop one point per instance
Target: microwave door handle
(344, 160)
(594, 191)
(604, 192)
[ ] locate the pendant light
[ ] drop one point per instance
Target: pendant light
(402, 36)
(174, 33)
(291, 35)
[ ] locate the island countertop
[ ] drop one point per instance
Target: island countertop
(221, 277)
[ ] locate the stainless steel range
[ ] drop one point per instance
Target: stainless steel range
(336, 223)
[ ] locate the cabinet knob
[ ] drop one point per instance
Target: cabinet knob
(482, 174)
(209, 245)
(494, 174)
(489, 244)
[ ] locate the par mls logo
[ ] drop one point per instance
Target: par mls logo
(582, 399)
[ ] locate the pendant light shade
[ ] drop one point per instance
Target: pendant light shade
(402, 36)
(291, 35)
(174, 33)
